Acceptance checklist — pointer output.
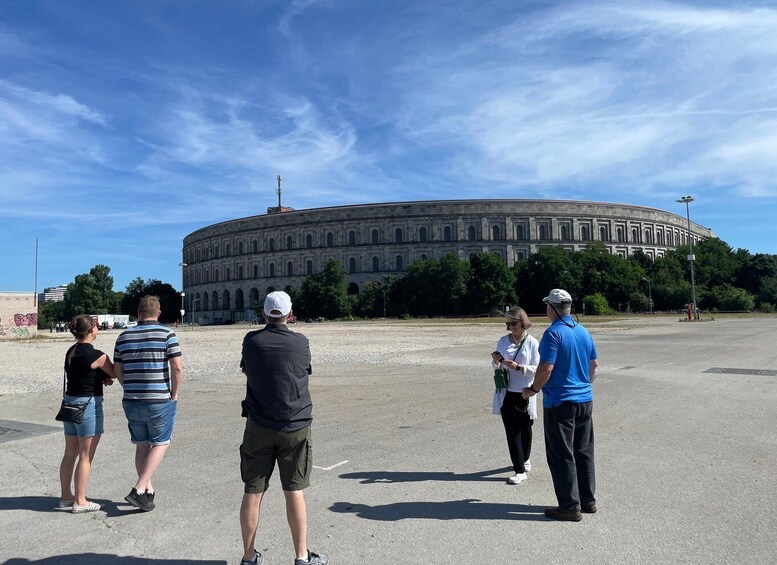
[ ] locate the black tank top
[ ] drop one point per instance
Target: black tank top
(82, 380)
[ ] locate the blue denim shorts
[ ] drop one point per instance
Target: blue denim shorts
(93, 417)
(150, 422)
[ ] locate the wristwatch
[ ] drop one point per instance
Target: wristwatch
(531, 386)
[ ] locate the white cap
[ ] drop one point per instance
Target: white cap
(558, 296)
(277, 304)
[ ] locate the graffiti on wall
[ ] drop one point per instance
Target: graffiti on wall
(24, 326)
(25, 320)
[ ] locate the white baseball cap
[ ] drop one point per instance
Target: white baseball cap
(277, 304)
(558, 296)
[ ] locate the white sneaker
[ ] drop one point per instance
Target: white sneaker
(527, 465)
(517, 478)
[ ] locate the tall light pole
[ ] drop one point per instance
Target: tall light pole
(183, 294)
(650, 293)
(687, 201)
(383, 290)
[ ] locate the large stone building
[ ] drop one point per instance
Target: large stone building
(229, 265)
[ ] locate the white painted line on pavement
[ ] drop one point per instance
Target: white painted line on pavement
(331, 466)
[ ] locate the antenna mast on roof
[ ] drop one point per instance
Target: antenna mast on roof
(279, 191)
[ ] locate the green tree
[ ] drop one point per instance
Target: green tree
(551, 267)
(490, 285)
(754, 270)
(596, 304)
(730, 298)
(324, 294)
(169, 298)
(90, 293)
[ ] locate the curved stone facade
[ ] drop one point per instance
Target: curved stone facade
(230, 264)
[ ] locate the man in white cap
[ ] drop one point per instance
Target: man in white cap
(568, 362)
(276, 362)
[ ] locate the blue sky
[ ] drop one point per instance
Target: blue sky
(125, 125)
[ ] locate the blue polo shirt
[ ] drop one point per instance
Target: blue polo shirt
(569, 350)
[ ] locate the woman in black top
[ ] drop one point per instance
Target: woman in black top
(87, 369)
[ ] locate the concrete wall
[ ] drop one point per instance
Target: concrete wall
(18, 315)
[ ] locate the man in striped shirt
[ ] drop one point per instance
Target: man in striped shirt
(147, 362)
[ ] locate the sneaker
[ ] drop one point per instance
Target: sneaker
(589, 507)
(259, 560)
(139, 500)
(527, 465)
(517, 478)
(65, 504)
(88, 507)
(313, 559)
(150, 496)
(557, 513)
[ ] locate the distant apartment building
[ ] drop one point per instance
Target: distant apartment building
(53, 294)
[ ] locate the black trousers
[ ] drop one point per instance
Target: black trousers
(517, 429)
(569, 444)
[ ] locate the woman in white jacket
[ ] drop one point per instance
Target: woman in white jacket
(518, 353)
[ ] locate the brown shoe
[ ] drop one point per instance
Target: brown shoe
(557, 513)
(589, 507)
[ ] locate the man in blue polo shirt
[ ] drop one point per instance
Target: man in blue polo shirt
(568, 363)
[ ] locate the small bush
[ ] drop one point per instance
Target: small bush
(596, 305)
(766, 307)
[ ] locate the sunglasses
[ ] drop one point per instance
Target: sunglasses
(511, 324)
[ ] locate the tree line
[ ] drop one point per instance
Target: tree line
(92, 293)
(600, 282)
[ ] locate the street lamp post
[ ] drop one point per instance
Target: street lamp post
(687, 201)
(383, 290)
(183, 294)
(650, 293)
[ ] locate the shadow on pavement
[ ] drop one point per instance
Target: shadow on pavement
(102, 559)
(110, 508)
(467, 509)
(369, 477)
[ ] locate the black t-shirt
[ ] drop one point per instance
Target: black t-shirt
(82, 380)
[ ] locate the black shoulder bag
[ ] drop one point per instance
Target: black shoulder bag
(71, 411)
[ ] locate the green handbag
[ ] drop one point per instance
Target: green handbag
(501, 378)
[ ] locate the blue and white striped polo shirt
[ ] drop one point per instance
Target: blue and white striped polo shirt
(144, 351)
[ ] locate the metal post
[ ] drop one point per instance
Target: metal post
(650, 293)
(383, 290)
(687, 201)
(183, 309)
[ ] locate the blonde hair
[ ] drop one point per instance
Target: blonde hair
(149, 306)
(518, 314)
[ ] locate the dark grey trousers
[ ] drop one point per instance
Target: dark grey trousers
(569, 444)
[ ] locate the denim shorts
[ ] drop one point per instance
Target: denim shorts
(150, 422)
(93, 417)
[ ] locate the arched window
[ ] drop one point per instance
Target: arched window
(271, 244)
(519, 232)
(351, 265)
(255, 246)
(495, 233)
(585, 233)
(351, 237)
(239, 300)
(205, 305)
(400, 263)
(215, 275)
(398, 235)
(648, 236)
(543, 233)
(216, 252)
(375, 264)
(289, 242)
(256, 271)
(214, 301)
(353, 289)
(447, 233)
(423, 257)
(309, 241)
(619, 234)
(225, 303)
(660, 237)
(272, 269)
(240, 247)
(289, 269)
(670, 238)
(519, 256)
(564, 232)
(471, 233)
(228, 249)
(309, 267)
(375, 237)
(634, 235)
(603, 233)
(240, 272)
(330, 239)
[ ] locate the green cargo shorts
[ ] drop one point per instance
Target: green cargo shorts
(262, 447)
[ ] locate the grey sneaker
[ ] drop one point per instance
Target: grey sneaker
(259, 560)
(313, 559)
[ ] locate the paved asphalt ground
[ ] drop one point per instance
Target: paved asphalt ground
(411, 465)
